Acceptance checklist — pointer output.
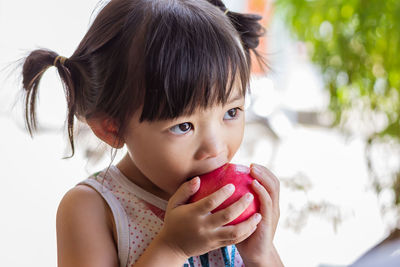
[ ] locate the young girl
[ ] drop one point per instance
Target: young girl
(166, 78)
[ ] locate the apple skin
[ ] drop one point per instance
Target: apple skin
(235, 174)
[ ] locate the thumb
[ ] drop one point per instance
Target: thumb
(184, 192)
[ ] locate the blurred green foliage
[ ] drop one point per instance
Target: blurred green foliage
(356, 44)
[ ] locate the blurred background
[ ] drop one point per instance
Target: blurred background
(324, 118)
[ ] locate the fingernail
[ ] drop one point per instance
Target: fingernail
(257, 216)
(195, 180)
(257, 183)
(256, 169)
(230, 187)
(249, 197)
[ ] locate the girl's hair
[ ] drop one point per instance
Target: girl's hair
(167, 57)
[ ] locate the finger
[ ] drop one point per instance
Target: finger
(184, 192)
(231, 212)
(266, 203)
(268, 180)
(233, 234)
(210, 202)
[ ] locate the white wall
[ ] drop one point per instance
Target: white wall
(34, 177)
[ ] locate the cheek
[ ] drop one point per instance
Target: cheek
(235, 136)
(161, 163)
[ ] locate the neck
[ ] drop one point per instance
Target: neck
(129, 169)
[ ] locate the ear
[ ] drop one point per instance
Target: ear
(105, 129)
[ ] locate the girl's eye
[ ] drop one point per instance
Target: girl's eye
(181, 128)
(231, 114)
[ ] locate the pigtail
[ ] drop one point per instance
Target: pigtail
(35, 64)
(249, 29)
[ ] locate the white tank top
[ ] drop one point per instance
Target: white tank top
(138, 217)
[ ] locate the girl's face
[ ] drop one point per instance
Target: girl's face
(164, 154)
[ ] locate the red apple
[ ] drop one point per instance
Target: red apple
(240, 177)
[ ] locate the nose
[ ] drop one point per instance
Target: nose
(211, 145)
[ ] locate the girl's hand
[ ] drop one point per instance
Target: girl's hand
(258, 249)
(191, 229)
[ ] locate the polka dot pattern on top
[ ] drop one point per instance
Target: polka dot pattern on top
(138, 217)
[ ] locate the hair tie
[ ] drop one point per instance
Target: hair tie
(226, 11)
(61, 58)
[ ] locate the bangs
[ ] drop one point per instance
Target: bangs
(192, 59)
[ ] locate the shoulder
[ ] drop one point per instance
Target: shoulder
(83, 201)
(84, 230)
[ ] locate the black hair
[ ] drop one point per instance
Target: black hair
(165, 57)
